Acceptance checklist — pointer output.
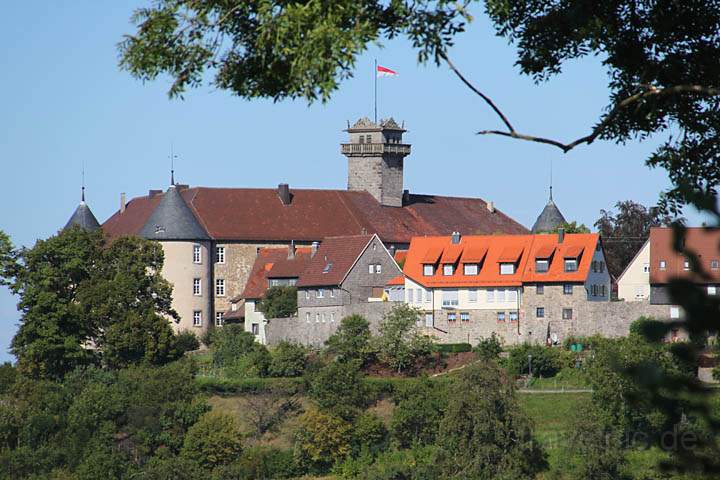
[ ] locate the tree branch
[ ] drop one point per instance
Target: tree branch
(648, 91)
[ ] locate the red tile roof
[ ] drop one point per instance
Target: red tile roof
(520, 249)
(399, 280)
(274, 263)
(258, 214)
(703, 242)
(333, 260)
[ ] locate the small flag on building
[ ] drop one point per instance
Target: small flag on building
(386, 72)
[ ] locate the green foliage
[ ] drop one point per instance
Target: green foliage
(417, 463)
(224, 386)
(489, 348)
(214, 440)
(400, 344)
(279, 302)
(339, 388)
(253, 363)
(288, 360)
(322, 439)
(369, 434)
(483, 433)
(546, 361)
(187, 341)
(260, 462)
(230, 343)
(272, 49)
(351, 341)
(570, 227)
(452, 347)
(8, 260)
(419, 407)
(8, 375)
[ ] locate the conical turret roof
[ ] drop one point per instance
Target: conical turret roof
(550, 218)
(83, 218)
(172, 219)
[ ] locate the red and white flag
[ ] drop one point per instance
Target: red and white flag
(386, 72)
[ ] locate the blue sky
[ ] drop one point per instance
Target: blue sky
(65, 102)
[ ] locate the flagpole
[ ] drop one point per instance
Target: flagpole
(375, 77)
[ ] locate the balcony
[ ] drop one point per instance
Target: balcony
(373, 149)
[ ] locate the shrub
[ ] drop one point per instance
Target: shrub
(223, 386)
(546, 361)
(260, 462)
(489, 348)
(339, 388)
(322, 439)
(8, 375)
(419, 407)
(214, 440)
(254, 363)
(288, 360)
(400, 344)
(369, 434)
(187, 342)
(351, 341)
(418, 463)
(230, 343)
(452, 347)
(279, 302)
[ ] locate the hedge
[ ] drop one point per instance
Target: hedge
(453, 347)
(223, 386)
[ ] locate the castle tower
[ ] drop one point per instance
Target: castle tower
(375, 160)
(83, 217)
(550, 218)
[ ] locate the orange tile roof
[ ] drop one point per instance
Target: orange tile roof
(519, 249)
(546, 251)
(573, 251)
(432, 255)
(474, 254)
(399, 280)
(451, 254)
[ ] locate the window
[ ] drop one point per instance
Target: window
(513, 316)
(541, 266)
(323, 318)
(452, 317)
(428, 295)
(674, 312)
(255, 329)
(512, 295)
(447, 269)
(567, 314)
(594, 266)
(646, 268)
(197, 254)
(714, 264)
(540, 289)
(220, 287)
(362, 139)
(464, 317)
(540, 312)
(507, 268)
(220, 254)
(427, 270)
(712, 290)
(686, 265)
(371, 268)
(233, 307)
(500, 294)
(219, 318)
(663, 265)
(197, 318)
(472, 295)
(571, 265)
(320, 293)
(603, 291)
(328, 267)
(368, 138)
(470, 269)
(378, 268)
(332, 293)
(602, 267)
(594, 290)
(332, 316)
(307, 317)
(410, 295)
(197, 290)
(500, 316)
(450, 298)
(490, 296)
(307, 294)
(317, 318)
(568, 289)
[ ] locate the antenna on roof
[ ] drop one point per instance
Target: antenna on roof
(82, 189)
(172, 164)
(551, 176)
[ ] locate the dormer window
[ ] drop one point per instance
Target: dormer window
(470, 269)
(663, 265)
(448, 269)
(428, 270)
(686, 265)
(507, 268)
(542, 265)
(714, 264)
(571, 265)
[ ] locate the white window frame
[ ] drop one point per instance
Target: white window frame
(428, 296)
(378, 268)
(507, 269)
(472, 295)
(674, 312)
(542, 263)
(410, 295)
(464, 316)
(332, 316)
(197, 318)
(714, 264)
(490, 295)
(540, 312)
(471, 269)
(307, 317)
(219, 319)
(428, 270)
(686, 265)
(565, 288)
(452, 317)
(571, 265)
(500, 316)
(712, 290)
(448, 269)
(255, 329)
(220, 254)
(317, 318)
(500, 295)
(513, 315)
(569, 316)
(511, 295)
(197, 254)
(307, 294)
(320, 293)
(219, 287)
(332, 293)
(450, 302)
(371, 268)
(197, 287)
(646, 268)
(663, 265)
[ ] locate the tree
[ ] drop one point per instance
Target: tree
(624, 233)
(369, 434)
(214, 440)
(339, 388)
(419, 407)
(230, 343)
(288, 360)
(489, 348)
(351, 341)
(400, 344)
(279, 302)
(484, 434)
(322, 438)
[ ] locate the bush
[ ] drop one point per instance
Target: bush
(351, 341)
(419, 407)
(187, 342)
(225, 386)
(546, 361)
(452, 347)
(254, 363)
(230, 343)
(288, 360)
(369, 434)
(8, 375)
(418, 463)
(260, 462)
(339, 388)
(214, 440)
(279, 302)
(321, 440)
(489, 348)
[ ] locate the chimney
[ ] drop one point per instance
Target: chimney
(392, 251)
(284, 193)
(152, 193)
(314, 248)
(455, 238)
(406, 197)
(291, 250)
(491, 207)
(122, 202)
(561, 235)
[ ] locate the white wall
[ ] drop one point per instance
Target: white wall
(180, 270)
(464, 303)
(253, 316)
(634, 283)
